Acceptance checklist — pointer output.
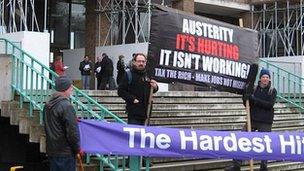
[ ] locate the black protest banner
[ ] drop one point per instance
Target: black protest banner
(197, 50)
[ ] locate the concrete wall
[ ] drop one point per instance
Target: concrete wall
(37, 45)
(292, 64)
(5, 77)
(72, 58)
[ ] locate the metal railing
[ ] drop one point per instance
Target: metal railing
(33, 82)
(288, 85)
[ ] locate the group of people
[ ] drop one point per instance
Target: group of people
(103, 70)
(62, 134)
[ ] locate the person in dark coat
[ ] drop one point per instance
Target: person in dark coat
(97, 69)
(86, 67)
(261, 101)
(106, 73)
(121, 69)
(61, 128)
(136, 92)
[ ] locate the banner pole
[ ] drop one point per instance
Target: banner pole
(149, 109)
(81, 168)
(249, 128)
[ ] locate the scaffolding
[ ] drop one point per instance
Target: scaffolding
(18, 15)
(280, 27)
(128, 21)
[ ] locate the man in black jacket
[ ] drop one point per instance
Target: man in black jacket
(86, 67)
(106, 73)
(261, 100)
(61, 128)
(136, 92)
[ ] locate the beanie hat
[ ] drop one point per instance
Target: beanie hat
(62, 83)
(264, 72)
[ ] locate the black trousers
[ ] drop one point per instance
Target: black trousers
(98, 82)
(260, 127)
(136, 121)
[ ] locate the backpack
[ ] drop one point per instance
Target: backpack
(129, 75)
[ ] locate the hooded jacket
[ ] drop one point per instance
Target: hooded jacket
(61, 128)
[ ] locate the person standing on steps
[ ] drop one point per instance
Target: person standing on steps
(61, 128)
(86, 67)
(261, 99)
(135, 90)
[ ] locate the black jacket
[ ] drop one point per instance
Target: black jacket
(121, 70)
(106, 67)
(261, 104)
(83, 64)
(139, 89)
(61, 128)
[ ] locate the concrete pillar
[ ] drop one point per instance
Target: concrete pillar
(97, 26)
(247, 19)
(184, 5)
(90, 34)
(5, 77)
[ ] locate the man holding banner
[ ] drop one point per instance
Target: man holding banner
(262, 99)
(135, 89)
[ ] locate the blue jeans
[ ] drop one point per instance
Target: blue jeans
(62, 163)
(85, 82)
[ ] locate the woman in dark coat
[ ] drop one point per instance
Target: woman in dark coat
(121, 69)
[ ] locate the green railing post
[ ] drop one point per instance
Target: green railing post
(288, 78)
(300, 93)
(134, 163)
(278, 79)
(13, 75)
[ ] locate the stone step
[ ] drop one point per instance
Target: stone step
(5, 109)
(215, 120)
(42, 143)
(175, 100)
(236, 126)
(113, 93)
(26, 121)
(169, 107)
(36, 131)
(193, 113)
(98, 93)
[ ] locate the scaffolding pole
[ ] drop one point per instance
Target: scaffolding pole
(128, 21)
(280, 26)
(16, 12)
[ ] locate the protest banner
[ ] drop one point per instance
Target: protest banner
(120, 139)
(196, 50)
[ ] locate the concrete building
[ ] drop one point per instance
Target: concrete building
(83, 24)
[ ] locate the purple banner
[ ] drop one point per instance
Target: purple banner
(113, 138)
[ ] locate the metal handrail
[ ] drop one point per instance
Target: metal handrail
(289, 86)
(30, 79)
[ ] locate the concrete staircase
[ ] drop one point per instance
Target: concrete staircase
(27, 124)
(207, 111)
(197, 110)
